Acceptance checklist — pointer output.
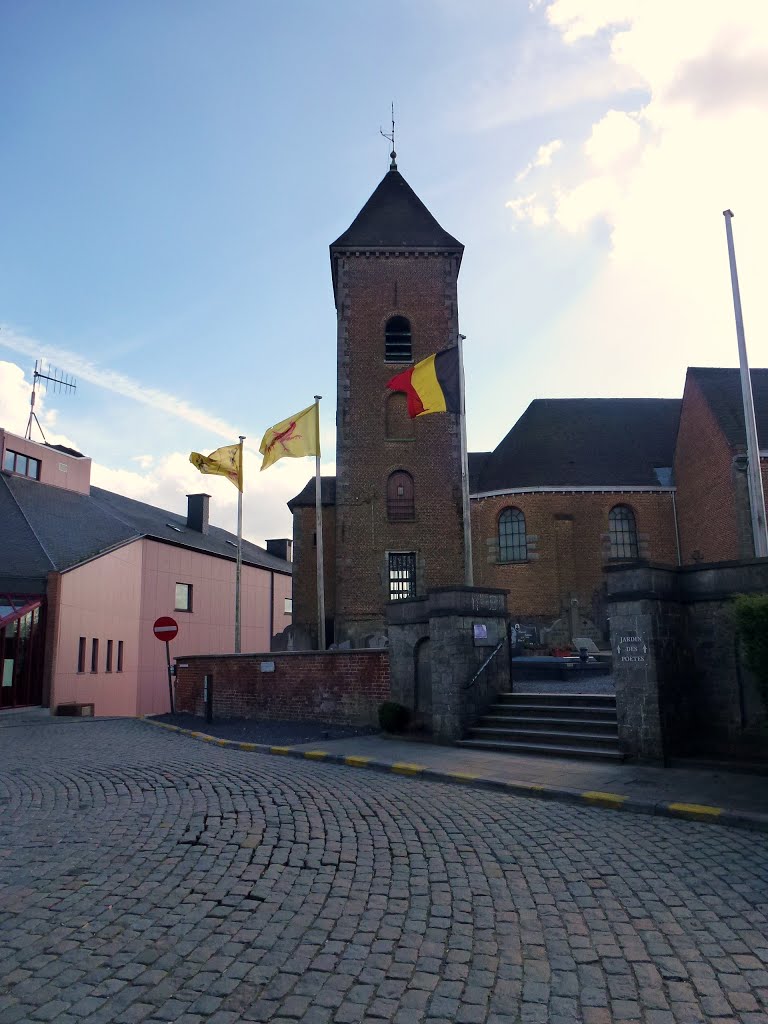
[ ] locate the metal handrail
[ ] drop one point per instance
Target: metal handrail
(485, 664)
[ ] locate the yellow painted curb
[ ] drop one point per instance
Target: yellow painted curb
(224, 743)
(594, 796)
(463, 777)
(356, 762)
(279, 750)
(697, 809)
(403, 768)
(247, 746)
(315, 755)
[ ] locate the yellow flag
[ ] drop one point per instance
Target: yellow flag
(226, 462)
(297, 436)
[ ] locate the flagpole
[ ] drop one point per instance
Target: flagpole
(238, 571)
(754, 477)
(319, 536)
(468, 573)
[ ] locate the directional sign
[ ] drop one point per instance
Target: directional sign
(165, 628)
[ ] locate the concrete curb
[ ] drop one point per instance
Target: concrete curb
(592, 798)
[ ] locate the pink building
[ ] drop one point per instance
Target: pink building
(85, 572)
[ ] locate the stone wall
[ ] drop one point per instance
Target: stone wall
(438, 644)
(338, 687)
(682, 688)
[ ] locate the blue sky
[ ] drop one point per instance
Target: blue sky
(173, 173)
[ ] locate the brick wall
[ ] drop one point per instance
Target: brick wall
(338, 687)
(706, 485)
(370, 290)
(568, 547)
(305, 572)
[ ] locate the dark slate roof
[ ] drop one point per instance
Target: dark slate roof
(582, 442)
(306, 495)
(56, 529)
(475, 463)
(395, 218)
(721, 388)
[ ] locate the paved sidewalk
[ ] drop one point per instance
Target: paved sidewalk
(720, 796)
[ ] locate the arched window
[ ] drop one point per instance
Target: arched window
(398, 425)
(513, 545)
(400, 499)
(397, 340)
(623, 532)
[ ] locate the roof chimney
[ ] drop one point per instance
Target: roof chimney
(197, 512)
(282, 548)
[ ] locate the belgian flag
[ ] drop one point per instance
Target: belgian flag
(431, 385)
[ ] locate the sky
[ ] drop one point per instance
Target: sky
(173, 171)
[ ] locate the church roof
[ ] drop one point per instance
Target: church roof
(721, 387)
(306, 495)
(395, 218)
(585, 442)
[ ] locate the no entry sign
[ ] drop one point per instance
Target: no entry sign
(165, 628)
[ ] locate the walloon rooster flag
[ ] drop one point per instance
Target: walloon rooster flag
(431, 385)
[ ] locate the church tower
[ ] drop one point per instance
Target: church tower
(398, 515)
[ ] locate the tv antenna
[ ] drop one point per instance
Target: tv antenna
(56, 381)
(391, 137)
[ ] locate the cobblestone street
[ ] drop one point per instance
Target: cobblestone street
(145, 876)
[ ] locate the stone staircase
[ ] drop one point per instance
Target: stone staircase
(550, 725)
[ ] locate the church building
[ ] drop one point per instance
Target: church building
(576, 486)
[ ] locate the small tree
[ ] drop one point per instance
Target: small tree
(751, 612)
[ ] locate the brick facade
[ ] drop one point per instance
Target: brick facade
(371, 288)
(338, 687)
(568, 548)
(305, 574)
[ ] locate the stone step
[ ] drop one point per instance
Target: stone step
(546, 722)
(544, 749)
(596, 711)
(566, 699)
(582, 740)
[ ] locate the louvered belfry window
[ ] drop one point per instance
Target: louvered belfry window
(401, 503)
(397, 340)
(623, 532)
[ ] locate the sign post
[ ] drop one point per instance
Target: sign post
(166, 629)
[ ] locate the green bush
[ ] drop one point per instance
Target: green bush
(751, 612)
(393, 717)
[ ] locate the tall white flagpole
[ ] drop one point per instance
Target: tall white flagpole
(239, 569)
(754, 477)
(319, 536)
(468, 574)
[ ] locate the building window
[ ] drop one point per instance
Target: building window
(401, 503)
(398, 425)
(513, 544)
(94, 655)
(183, 597)
(397, 340)
(288, 606)
(119, 655)
(81, 655)
(109, 656)
(402, 575)
(22, 465)
(623, 532)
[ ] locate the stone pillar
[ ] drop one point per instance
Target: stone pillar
(465, 625)
(407, 624)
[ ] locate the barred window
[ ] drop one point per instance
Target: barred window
(397, 340)
(401, 503)
(513, 545)
(623, 532)
(402, 575)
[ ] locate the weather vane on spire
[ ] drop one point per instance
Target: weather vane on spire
(391, 137)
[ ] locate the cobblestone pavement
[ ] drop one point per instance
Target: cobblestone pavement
(148, 877)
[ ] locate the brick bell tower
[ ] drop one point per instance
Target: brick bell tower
(398, 510)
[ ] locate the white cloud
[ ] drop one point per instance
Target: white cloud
(543, 157)
(659, 177)
(110, 380)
